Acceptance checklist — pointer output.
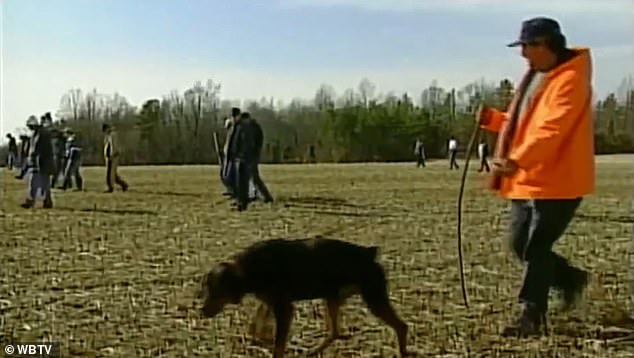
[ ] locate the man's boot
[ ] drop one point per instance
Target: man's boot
(48, 204)
(528, 324)
(577, 283)
(28, 204)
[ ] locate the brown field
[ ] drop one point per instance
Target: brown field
(116, 274)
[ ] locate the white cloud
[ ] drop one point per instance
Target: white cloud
(566, 6)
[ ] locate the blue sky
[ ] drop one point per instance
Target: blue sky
(283, 48)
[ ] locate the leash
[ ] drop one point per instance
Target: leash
(474, 135)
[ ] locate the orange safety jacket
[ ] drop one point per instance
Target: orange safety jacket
(553, 144)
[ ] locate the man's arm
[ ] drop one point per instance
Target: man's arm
(571, 99)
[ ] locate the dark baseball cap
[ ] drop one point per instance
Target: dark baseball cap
(535, 28)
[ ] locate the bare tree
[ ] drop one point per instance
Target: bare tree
(325, 97)
(366, 91)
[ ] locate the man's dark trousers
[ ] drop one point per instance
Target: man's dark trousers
(241, 182)
(420, 161)
(484, 164)
(72, 170)
(535, 226)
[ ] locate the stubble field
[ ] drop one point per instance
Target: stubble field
(116, 274)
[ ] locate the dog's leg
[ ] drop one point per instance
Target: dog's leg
(386, 313)
(260, 328)
(332, 320)
(376, 297)
(283, 316)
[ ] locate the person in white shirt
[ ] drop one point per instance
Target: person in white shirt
(453, 150)
(483, 153)
(419, 152)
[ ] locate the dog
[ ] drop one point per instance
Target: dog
(280, 272)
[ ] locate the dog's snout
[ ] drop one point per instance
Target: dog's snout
(211, 308)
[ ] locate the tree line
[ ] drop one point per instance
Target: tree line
(359, 125)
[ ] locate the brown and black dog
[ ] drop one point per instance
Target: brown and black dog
(279, 272)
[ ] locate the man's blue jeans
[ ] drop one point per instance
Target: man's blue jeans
(535, 226)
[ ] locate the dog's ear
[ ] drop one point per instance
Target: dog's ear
(373, 251)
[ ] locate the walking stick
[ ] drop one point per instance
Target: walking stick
(217, 148)
(474, 136)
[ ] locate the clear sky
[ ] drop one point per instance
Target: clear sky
(283, 48)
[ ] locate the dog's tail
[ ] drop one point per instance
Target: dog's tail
(373, 251)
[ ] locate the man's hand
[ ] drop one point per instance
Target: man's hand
(504, 167)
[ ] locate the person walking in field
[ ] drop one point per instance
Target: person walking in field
(12, 155)
(40, 165)
(73, 162)
(59, 146)
(239, 150)
(253, 161)
(483, 153)
(58, 143)
(111, 155)
(544, 164)
(419, 153)
(453, 151)
(227, 171)
(23, 153)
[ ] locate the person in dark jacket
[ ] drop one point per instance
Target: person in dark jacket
(23, 154)
(240, 150)
(13, 152)
(227, 176)
(226, 168)
(40, 165)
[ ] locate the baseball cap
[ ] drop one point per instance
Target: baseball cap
(535, 28)
(32, 121)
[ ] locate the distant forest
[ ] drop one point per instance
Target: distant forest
(359, 125)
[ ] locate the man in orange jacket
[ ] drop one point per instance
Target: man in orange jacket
(544, 160)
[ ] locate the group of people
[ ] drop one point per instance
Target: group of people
(43, 157)
(240, 158)
(452, 150)
(51, 153)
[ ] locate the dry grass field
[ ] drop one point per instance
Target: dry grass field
(116, 274)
